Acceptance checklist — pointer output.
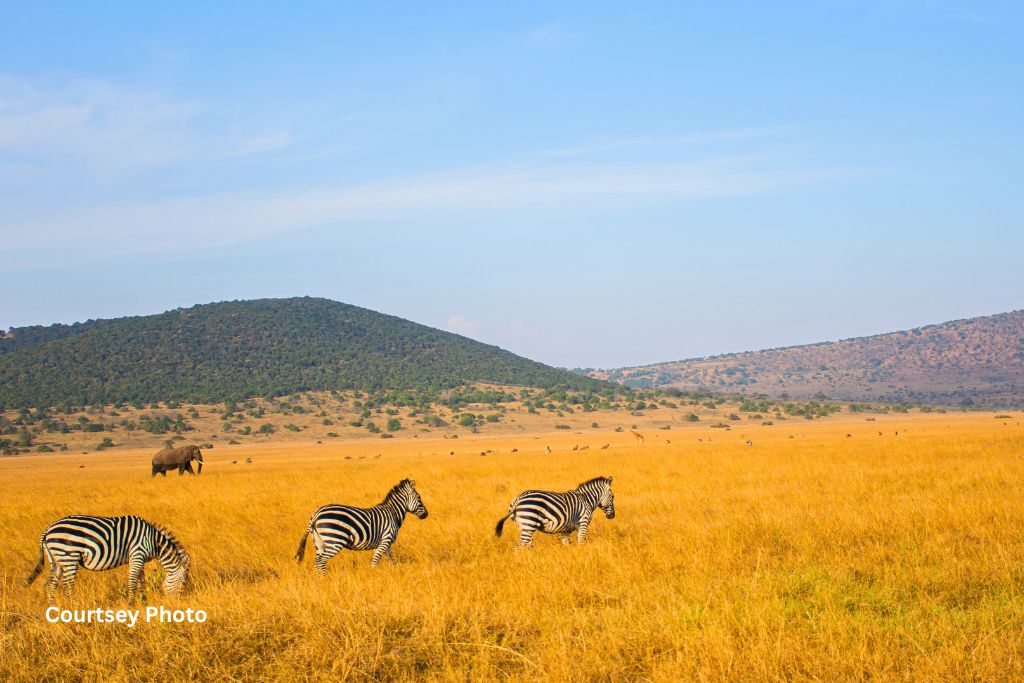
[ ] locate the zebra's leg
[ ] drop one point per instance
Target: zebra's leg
(68, 572)
(565, 538)
(391, 555)
(526, 531)
(322, 555)
(382, 549)
(136, 565)
(581, 533)
(52, 581)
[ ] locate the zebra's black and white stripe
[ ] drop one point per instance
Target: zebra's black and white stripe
(101, 543)
(341, 527)
(560, 513)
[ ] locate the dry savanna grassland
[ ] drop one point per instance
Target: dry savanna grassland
(887, 547)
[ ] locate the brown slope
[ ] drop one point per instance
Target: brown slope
(977, 361)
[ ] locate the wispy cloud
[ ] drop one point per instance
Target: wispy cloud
(111, 129)
(461, 324)
(548, 34)
(102, 130)
(605, 145)
(510, 332)
(209, 221)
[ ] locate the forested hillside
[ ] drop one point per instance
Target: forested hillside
(233, 350)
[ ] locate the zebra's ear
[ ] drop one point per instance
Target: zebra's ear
(609, 479)
(412, 482)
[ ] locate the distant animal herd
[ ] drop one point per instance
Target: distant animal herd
(101, 543)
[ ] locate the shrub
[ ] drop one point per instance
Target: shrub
(394, 424)
(266, 428)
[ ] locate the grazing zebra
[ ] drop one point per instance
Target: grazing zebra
(100, 543)
(337, 527)
(560, 513)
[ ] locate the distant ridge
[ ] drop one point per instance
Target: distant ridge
(236, 349)
(976, 361)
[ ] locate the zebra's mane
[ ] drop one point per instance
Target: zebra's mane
(396, 489)
(595, 480)
(175, 543)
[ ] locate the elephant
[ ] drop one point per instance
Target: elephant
(177, 459)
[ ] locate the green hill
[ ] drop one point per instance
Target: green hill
(232, 350)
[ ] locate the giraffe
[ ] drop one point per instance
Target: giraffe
(638, 436)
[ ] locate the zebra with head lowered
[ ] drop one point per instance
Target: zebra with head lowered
(339, 527)
(560, 513)
(100, 543)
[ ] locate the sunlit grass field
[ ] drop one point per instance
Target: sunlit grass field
(808, 555)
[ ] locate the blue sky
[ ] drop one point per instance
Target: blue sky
(585, 184)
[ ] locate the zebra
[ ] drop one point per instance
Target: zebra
(560, 513)
(101, 543)
(337, 527)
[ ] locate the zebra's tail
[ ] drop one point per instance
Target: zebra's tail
(501, 524)
(302, 545)
(39, 566)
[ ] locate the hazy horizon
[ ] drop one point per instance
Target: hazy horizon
(583, 185)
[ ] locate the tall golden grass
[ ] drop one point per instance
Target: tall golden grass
(817, 557)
